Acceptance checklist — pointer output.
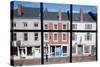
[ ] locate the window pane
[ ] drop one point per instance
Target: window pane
(55, 36)
(36, 36)
(35, 24)
(25, 36)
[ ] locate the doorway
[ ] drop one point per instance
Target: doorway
(80, 49)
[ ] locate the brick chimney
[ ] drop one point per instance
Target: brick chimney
(81, 15)
(19, 10)
(59, 14)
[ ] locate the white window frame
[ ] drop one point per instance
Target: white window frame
(47, 27)
(88, 28)
(24, 36)
(75, 26)
(53, 36)
(63, 36)
(63, 28)
(35, 36)
(54, 26)
(25, 23)
(90, 36)
(75, 35)
(47, 37)
(37, 25)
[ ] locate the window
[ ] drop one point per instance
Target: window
(74, 36)
(25, 36)
(29, 51)
(14, 51)
(64, 36)
(88, 26)
(46, 26)
(64, 26)
(74, 26)
(35, 24)
(88, 36)
(55, 36)
(35, 36)
(46, 36)
(86, 49)
(73, 49)
(55, 26)
(14, 37)
(25, 24)
(64, 49)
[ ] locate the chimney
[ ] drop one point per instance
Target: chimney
(81, 15)
(59, 14)
(19, 10)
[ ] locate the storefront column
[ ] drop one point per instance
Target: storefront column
(25, 51)
(18, 52)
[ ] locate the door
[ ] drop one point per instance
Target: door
(80, 50)
(52, 51)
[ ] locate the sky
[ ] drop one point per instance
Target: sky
(55, 7)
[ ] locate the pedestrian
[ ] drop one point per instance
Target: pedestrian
(46, 55)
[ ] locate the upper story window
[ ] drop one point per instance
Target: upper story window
(64, 36)
(88, 26)
(25, 24)
(46, 26)
(35, 36)
(55, 26)
(74, 26)
(25, 36)
(55, 36)
(88, 36)
(46, 36)
(14, 37)
(74, 36)
(35, 24)
(64, 26)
